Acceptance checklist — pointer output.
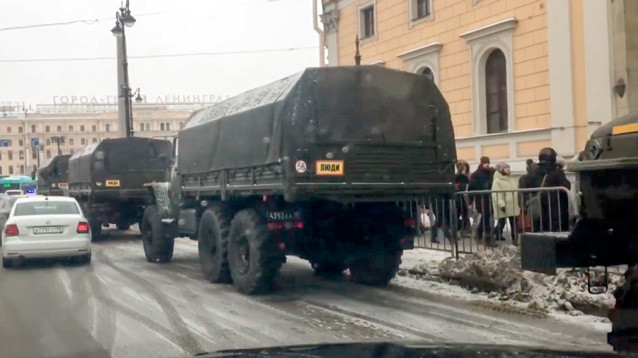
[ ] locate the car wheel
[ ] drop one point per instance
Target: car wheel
(86, 259)
(7, 263)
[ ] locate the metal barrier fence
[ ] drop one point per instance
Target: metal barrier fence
(480, 220)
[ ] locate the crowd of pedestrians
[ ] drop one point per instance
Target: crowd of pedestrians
(492, 200)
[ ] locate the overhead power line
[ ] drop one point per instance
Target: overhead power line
(168, 55)
(85, 21)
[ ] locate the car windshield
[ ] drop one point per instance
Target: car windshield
(46, 207)
(206, 175)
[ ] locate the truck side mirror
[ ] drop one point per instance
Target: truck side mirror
(99, 155)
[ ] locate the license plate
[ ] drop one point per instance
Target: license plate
(625, 128)
(113, 183)
(330, 167)
(47, 230)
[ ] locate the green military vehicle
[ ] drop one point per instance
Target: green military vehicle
(312, 165)
(606, 233)
(53, 178)
(107, 178)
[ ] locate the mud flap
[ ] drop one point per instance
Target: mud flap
(538, 251)
(624, 334)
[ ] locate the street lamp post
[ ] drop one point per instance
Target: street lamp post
(124, 19)
(58, 140)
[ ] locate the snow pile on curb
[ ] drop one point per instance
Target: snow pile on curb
(498, 273)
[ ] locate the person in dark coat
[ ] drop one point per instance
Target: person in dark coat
(554, 207)
(462, 183)
(481, 179)
(528, 181)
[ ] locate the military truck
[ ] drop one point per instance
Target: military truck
(53, 178)
(312, 165)
(107, 178)
(606, 233)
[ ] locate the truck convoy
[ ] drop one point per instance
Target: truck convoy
(312, 165)
(607, 232)
(53, 178)
(107, 178)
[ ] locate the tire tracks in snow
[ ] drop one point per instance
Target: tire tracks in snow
(180, 334)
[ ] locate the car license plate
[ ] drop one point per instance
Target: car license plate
(114, 183)
(47, 230)
(330, 167)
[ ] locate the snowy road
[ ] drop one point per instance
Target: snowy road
(123, 306)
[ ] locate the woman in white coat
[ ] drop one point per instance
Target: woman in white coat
(505, 204)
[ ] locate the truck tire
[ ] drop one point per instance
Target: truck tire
(96, 230)
(253, 258)
(375, 268)
(157, 247)
(212, 245)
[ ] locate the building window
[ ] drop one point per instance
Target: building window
(81, 128)
(141, 127)
(420, 10)
(21, 154)
(20, 129)
(148, 127)
(34, 168)
(10, 169)
(48, 153)
(10, 155)
(492, 76)
(0, 170)
(47, 129)
(107, 127)
(427, 72)
(496, 92)
(48, 141)
(94, 140)
(20, 142)
(168, 126)
(22, 169)
(367, 21)
(162, 126)
(70, 141)
(33, 128)
(83, 141)
(9, 130)
(34, 154)
(59, 129)
(70, 128)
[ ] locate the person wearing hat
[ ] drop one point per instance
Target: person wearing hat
(481, 179)
(505, 204)
(554, 212)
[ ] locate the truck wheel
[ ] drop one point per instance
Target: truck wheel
(212, 245)
(157, 247)
(96, 230)
(253, 258)
(375, 268)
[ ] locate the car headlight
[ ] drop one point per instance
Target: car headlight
(595, 148)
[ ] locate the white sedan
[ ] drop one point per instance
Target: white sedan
(46, 227)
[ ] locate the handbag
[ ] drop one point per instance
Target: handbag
(533, 207)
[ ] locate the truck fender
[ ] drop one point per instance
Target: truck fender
(161, 194)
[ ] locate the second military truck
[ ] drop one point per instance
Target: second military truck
(312, 165)
(53, 178)
(107, 178)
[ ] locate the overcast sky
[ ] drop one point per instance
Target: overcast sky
(163, 27)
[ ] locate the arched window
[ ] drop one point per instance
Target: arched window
(141, 127)
(83, 141)
(107, 127)
(148, 127)
(20, 129)
(496, 92)
(168, 126)
(10, 169)
(33, 128)
(22, 169)
(162, 126)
